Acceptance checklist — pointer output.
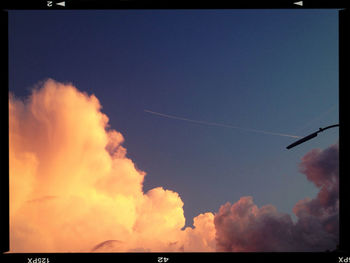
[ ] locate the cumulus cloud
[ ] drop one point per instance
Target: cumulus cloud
(72, 187)
(321, 168)
(245, 227)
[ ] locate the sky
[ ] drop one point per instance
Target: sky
(270, 70)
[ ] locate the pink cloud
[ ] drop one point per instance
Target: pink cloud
(245, 227)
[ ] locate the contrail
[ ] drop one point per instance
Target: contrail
(219, 124)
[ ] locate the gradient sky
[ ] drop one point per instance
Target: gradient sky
(274, 70)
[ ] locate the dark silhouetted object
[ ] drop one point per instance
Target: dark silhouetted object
(309, 137)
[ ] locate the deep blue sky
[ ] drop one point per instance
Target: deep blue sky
(273, 70)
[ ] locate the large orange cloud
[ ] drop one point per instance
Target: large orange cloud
(72, 187)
